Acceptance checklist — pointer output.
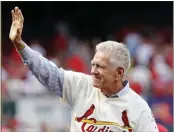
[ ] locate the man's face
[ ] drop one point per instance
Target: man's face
(102, 73)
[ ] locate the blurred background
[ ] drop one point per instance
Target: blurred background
(66, 33)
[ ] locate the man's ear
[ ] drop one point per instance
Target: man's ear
(119, 73)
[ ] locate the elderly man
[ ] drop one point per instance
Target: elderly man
(101, 102)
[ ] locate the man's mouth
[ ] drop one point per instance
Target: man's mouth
(96, 79)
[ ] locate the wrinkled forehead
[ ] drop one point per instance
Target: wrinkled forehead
(101, 57)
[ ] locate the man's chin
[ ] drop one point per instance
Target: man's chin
(97, 86)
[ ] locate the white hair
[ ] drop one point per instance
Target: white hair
(119, 53)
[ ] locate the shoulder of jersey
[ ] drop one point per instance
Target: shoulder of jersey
(137, 100)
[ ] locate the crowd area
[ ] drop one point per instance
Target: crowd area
(150, 75)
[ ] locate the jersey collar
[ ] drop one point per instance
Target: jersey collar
(122, 92)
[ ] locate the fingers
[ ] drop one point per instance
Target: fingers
(17, 14)
(13, 15)
(21, 16)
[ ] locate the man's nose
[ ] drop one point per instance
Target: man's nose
(94, 70)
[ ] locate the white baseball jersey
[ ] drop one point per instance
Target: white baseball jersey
(92, 111)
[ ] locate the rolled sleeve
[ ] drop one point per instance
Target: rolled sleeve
(44, 70)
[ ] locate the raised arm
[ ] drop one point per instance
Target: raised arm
(67, 84)
(45, 71)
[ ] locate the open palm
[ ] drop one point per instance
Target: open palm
(17, 25)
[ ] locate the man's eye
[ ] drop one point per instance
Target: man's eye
(98, 65)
